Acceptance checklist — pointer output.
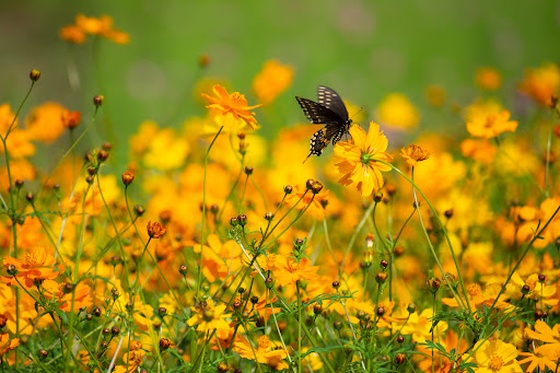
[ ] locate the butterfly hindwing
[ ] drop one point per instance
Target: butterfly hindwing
(329, 110)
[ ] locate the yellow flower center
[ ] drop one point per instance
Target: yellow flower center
(496, 363)
(490, 121)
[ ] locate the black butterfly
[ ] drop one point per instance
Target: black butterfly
(331, 111)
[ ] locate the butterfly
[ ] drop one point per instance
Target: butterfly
(331, 111)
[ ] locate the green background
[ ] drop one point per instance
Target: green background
(363, 49)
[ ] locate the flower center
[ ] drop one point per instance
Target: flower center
(496, 363)
(366, 158)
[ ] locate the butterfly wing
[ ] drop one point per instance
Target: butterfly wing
(317, 113)
(331, 100)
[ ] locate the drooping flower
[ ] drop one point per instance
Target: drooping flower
(495, 356)
(273, 79)
(396, 111)
(488, 120)
(227, 107)
(360, 160)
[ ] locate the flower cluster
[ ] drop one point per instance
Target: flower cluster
(220, 249)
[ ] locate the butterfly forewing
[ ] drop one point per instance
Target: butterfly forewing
(330, 110)
(331, 100)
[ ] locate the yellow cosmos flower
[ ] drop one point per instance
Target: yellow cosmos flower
(495, 356)
(267, 352)
(396, 111)
(44, 123)
(359, 160)
(207, 317)
(488, 120)
(234, 104)
(273, 79)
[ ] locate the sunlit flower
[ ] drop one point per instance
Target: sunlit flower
(359, 160)
(550, 336)
(542, 83)
(219, 259)
(495, 356)
(7, 344)
(273, 79)
(74, 300)
(132, 359)
(37, 265)
(396, 111)
(536, 360)
(488, 78)
(207, 317)
(267, 352)
(421, 328)
(488, 120)
(413, 154)
(294, 271)
(234, 104)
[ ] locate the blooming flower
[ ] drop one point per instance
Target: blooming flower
(359, 160)
(396, 111)
(267, 352)
(414, 154)
(102, 27)
(7, 344)
(273, 79)
(45, 122)
(37, 265)
(229, 108)
(207, 317)
(495, 356)
(294, 271)
(488, 120)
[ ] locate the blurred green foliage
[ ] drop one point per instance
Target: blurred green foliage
(363, 49)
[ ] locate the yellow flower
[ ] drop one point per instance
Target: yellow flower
(414, 154)
(396, 111)
(495, 356)
(359, 159)
(488, 78)
(542, 83)
(102, 27)
(208, 317)
(421, 328)
(488, 120)
(481, 150)
(234, 104)
(273, 79)
(267, 352)
(7, 344)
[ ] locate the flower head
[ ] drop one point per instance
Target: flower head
(488, 120)
(396, 111)
(413, 154)
(155, 229)
(495, 356)
(230, 107)
(359, 160)
(488, 78)
(273, 79)
(542, 83)
(207, 317)
(267, 352)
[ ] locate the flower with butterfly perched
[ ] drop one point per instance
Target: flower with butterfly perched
(362, 160)
(230, 109)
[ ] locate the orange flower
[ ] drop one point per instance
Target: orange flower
(71, 119)
(73, 34)
(7, 344)
(230, 106)
(488, 78)
(488, 120)
(45, 123)
(294, 271)
(102, 26)
(273, 79)
(37, 265)
(542, 83)
(359, 159)
(155, 229)
(414, 154)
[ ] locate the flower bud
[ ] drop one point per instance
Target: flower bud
(34, 75)
(127, 177)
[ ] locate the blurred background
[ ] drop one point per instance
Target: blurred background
(363, 49)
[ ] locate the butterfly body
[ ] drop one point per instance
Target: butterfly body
(330, 111)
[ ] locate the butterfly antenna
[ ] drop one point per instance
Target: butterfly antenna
(306, 158)
(357, 112)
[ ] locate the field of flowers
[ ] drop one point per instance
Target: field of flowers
(218, 250)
